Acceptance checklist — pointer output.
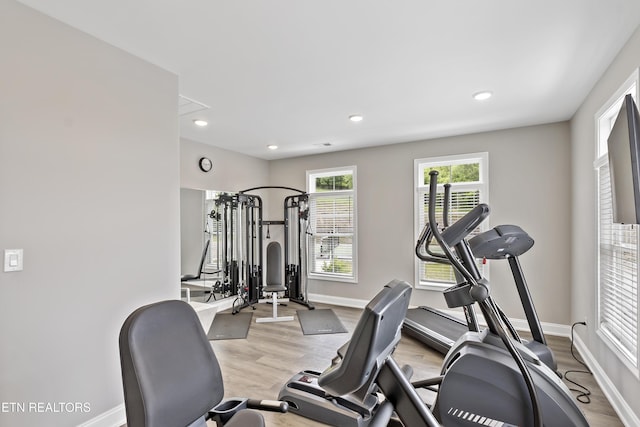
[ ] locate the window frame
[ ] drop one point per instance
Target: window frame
(604, 120)
(311, 175)
(420, 165)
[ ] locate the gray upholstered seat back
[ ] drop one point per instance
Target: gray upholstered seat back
(274, 264)
(170, 374)
(203, 258)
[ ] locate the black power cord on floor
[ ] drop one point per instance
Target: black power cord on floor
(584, 393)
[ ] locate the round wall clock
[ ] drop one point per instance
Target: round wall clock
(205, 164)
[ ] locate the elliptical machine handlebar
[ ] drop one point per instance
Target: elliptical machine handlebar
(426, 236)
(462, 229)
(424, 240)
(446, 204)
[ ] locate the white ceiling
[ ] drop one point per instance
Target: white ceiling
(290, 72)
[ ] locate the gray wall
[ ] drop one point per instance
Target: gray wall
(231, 171)
(89, 189)
(584, 242)
(529, 186)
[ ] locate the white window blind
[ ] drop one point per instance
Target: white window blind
(462, 200)
(618, 279)
(332, 223)
(617, 297)
(467, 175)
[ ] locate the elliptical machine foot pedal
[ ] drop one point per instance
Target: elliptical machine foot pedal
(307, 399)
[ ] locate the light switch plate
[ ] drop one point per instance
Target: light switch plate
(13, 259)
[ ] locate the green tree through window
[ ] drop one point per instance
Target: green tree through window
(334, 183)
(448, 174)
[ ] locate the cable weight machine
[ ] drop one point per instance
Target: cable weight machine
(295, 224)
(238, 255)
(296, 217)
(241, 245)
(249, 250)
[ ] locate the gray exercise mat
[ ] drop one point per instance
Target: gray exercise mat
(227, 326)
(320, 321)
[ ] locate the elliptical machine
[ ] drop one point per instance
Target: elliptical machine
(487, 378)
(439, 330)
(490, 376)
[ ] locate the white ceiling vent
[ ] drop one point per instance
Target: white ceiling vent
(189, 106)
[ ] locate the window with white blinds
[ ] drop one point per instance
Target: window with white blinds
(332, 224)
(467, 175)
(617, 250)
(618, 278)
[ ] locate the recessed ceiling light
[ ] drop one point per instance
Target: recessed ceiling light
(356, 118)
(200, 122)
(481, 96)
(272, 147)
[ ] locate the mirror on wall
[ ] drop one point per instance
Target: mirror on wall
(200, 247)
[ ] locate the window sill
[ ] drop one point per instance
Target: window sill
(433, 286)
(621, 354)
(332, 278)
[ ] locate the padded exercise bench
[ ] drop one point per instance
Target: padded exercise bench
(274, 282)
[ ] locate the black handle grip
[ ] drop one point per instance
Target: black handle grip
(446, 203)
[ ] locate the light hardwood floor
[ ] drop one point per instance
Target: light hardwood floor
(259, 365)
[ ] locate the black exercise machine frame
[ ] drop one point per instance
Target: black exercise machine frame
(245, 270)
(241, 258)
(512, 241)
(440, 341)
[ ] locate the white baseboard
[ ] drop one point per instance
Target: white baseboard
(114, 417)
(555, 329)
(622, 408)
(333, 300)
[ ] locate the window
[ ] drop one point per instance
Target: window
(332, 223)
(617, 298)
(468, 176)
